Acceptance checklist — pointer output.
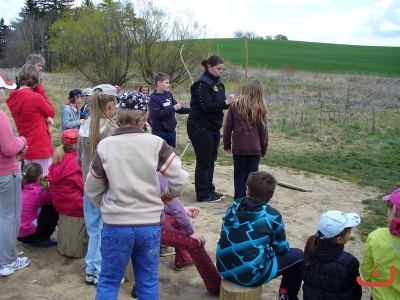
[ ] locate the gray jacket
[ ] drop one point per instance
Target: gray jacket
(69, 118)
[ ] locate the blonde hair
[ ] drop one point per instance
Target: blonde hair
(60, 151)
(131, 117)
(98, 111)
(251, 106)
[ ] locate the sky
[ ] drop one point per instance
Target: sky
(353, 22)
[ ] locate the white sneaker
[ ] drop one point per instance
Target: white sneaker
(20, 263)
(5, 271)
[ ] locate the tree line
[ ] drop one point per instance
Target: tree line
(111, 42)
(252, 35)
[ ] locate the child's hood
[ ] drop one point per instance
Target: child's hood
(32, 187)
(248, 210)
(65, 168)
(395, 227)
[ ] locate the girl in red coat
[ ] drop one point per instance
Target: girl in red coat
(65, 177)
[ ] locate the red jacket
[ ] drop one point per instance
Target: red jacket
(66, 186)
(29, 111)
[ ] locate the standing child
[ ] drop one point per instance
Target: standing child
(98, 126)
(329, 271)
(253, 249)
(382, 253)
(70, 115)
(10, 189)
(39, 218)
(123, 183)
(246, 134)
(162, 110)
(65, 177)
(85, 109)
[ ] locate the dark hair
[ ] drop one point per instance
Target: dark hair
(261, 185)
(28, 75)
(74, 93)
(160, 77)
(32, 171)
(314, 242)
(213, 60)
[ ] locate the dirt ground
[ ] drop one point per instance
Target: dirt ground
(52, 276)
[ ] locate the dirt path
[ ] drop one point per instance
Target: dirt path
(51, 276)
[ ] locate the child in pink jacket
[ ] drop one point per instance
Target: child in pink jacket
(39, 218)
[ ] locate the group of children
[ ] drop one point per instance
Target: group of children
(122, 205)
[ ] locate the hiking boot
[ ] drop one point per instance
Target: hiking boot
(20, 263)
(5, 271)
(167, 251)
(210, 199)
(183, 267)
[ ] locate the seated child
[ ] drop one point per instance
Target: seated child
(123, 183)
(253, 249)
(39, 218)
(70, 114)
(65, 177)
(329, 271)
(382, 251)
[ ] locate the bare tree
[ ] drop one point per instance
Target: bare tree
(161, 40)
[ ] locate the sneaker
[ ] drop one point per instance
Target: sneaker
(89, 278)
(5, 271)
(45, 243)
(95, 280)
(167, 251)
(211, 199)
(219, 195)
(20, 263)
(183, 267)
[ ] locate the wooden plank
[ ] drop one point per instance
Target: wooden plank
(293, 187)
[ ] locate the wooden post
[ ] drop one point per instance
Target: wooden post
(72, 237)
(232, 291)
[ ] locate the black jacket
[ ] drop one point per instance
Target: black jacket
(332, 276)
(207, 102)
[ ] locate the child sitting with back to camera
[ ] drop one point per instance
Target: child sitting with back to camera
(329, 272)
(65, 177)
(39, 218)
(253, 248)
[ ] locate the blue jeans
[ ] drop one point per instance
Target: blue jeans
(118, 244)
(94, 224)
(168, 136)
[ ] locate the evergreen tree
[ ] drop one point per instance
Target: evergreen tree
(4, 30)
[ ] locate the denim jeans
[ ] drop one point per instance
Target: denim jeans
(118, 244)
(10, 216)
(94, 224)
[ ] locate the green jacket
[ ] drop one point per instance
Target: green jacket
(382, 250)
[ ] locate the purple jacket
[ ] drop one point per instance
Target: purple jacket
(176, 209)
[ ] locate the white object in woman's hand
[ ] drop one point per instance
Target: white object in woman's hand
(230, 98)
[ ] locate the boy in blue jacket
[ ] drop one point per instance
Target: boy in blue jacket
(253, 249)
(163, 107)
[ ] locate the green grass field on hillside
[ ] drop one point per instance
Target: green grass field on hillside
(313, 57)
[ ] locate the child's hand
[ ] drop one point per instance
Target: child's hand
(192, 212)
(24, 150)
(199, 238)
(177, 106)
(230, 98)
(50, 121)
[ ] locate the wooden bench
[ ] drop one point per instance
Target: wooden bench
(233, 291)
(72, 237)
